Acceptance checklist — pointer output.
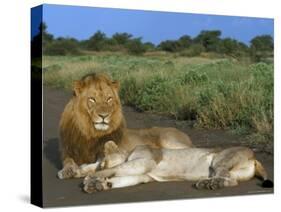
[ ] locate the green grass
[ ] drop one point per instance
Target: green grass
(217, 93)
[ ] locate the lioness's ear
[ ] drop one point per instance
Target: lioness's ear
(116, 85)
(77, 87)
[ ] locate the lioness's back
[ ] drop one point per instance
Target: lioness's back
(177, 164)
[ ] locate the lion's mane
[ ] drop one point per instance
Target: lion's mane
(79, 140)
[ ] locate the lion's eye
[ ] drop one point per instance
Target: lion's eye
(109, 99)
(92, 99)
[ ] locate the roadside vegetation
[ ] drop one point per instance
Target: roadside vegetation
(217, 83)
(215, 93)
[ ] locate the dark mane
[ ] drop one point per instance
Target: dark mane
(79, 140)
(91, 75)
(76, 145)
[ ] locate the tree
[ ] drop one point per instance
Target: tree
(63, 46)
(262, 43)
(227, 46)
(194, 50)
(169, 45)
(135, 46)
(209, 39)
(242, 50)
(41, 41)
(46, 37)
(97, 41)
(149, 46)
(121, 38)
(261, 47)
(184, 41)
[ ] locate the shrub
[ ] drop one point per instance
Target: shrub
(62, 47)
(193, 51)
(209, 39)
(154, 95)
(136, 47)
(122, 38)
(261, 47)
(128, 91)
(193, 77)
(169, 45)
(97, 41)
(217, 93)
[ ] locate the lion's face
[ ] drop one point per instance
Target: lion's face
(101, 105)
(99, 100)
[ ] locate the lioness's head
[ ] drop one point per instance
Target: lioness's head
(98, 100)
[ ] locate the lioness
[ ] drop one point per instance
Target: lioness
(211, 168)
(94, 116)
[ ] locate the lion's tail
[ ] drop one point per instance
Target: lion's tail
(261, 173)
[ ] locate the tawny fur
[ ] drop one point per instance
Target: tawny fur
(79, 139)
(82, 143)
(210, 168)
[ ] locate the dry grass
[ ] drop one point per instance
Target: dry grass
(218, 93)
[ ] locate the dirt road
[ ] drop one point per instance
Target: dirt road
(68, 192)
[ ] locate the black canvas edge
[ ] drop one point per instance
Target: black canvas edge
(36, 189)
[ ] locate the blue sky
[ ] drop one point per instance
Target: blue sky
(36, 18)
(82, 22)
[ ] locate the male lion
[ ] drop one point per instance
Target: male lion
(94, 116)
(211, 168)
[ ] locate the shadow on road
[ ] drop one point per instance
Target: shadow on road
(52, 153)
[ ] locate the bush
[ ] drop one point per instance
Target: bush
(261, 47)
(128, 91)
(62, 47)
(97, 42)
(121, 38)
(169, 45)
(240, 105)
(209, 39)
(136, 47)
(193, 77)
(262, 71)
(232, 47)
(152, 94)
(217, 93)
(193, 51)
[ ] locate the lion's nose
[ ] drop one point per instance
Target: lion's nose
(103, 115)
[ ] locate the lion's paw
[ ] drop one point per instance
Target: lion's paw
(68, 172)
(96, 184)
(210, 184)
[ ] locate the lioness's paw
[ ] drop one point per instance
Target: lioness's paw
(103, 164)
(96, 184)
(201, 184)
(210, 184)
(68, 172)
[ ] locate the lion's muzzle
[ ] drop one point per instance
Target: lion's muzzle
(101, 125)
(102, 122)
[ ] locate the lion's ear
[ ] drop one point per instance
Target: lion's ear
(116, 85)
(77, 87)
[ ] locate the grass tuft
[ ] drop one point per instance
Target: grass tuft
(217, 93)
